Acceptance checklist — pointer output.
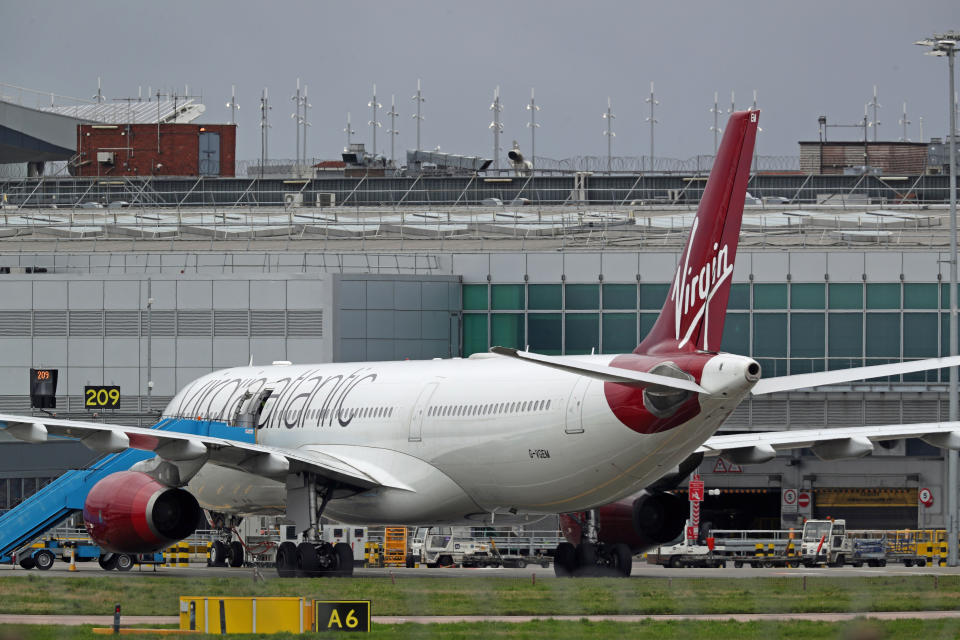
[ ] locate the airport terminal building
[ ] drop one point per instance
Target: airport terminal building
(150, 297)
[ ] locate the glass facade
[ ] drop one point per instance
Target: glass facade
(795, 327)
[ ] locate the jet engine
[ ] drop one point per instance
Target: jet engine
(641, 522)
(130, 512)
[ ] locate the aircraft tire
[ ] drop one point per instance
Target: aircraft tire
(286, 559)
(343, 555)
(236, 555)
(124, 562)
(308, 563)
(218, 554)
(622, 559)
(564, 560)
(107, 561)
(586, 559)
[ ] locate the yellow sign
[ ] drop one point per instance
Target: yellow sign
(341, 615)
(101, 397)
(866, 498)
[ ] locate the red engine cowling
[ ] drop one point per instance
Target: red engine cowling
(641, 523)
(130, 512)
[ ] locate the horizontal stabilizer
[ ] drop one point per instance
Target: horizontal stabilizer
(808, 380)
(601, 372)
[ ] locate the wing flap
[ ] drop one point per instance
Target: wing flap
(266, 461)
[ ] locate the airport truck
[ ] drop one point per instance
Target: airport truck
(826, 542)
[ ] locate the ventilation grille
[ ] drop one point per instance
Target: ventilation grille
(231, 323)
(164, 323)
(49, 323)
(122, 323)
(267, 323)
(86, 323)
(306, 324)
(194, 323)
(14, 323)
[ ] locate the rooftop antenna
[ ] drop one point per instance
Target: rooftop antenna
(300, 101)
(374, 105)
(609, 117)
(349, 131)
(264, 126)
(533, 108)
(876, 105)
(306, 122)
(754, 108)
(233, 104)
(733, 105)
(419, 99)
(497, 127)
(716, 124)
(652, 121)
(904, 122)
(393, 125)
(921, 128)
(99, 97)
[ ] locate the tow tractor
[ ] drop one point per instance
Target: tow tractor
(825, 542)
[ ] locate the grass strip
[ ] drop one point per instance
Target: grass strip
(159, 595)
(557, 630)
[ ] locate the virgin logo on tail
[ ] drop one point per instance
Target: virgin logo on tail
(691, 295)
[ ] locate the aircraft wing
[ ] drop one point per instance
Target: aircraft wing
(829, 444)
(269, 462)
(819, 379)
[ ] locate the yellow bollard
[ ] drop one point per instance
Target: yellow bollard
(73, 558)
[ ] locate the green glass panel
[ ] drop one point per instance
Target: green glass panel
(474, 333)
(506, 330)
(545, 296)
(920, 296)
(546, 333)
(807, 295)
(846, 295)
(920, 341)
(883, 335)
(883, 295)
(807, 334)
(619, 296)
(647, 320)
(770, 335)
(619, 332)
(736, 334)
(846, 335)
(652, 296)
(583, 333)
(739, 296)
(945, 296)
(769, 296)
(474, 297)
(583, 296)
(507, 296)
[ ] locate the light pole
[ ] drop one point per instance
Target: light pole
(946, 45)
(609, 117)
(652, 121)
(716, 124)
(419, 99)
(876, 118)
(533, 108)
(393, 125)
(233, 104)
(497, 127)
(374, 105)
(349, 131)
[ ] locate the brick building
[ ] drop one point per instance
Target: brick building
(155, 150)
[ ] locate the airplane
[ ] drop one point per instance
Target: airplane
(504, 437)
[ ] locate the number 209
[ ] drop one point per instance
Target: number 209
(101, 396)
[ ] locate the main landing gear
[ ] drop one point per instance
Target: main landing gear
(591, 558)
(225, 551)
(314, 557)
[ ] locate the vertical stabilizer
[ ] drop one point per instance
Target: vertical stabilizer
(693, 314)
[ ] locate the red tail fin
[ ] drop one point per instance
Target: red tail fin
(692, 317)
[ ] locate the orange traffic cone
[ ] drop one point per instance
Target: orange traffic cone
(73, 559)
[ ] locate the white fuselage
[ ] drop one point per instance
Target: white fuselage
(453, 440)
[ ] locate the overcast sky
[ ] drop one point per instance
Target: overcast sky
(804, 59)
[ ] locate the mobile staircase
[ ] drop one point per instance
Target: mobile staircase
(65, 496)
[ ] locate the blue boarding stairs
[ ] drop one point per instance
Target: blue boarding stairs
(64, 496)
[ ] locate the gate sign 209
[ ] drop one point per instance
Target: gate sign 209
(101, 397)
